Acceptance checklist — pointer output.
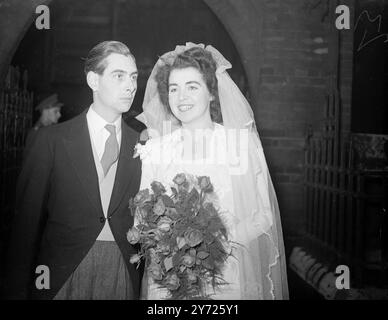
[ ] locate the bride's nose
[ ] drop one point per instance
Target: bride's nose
(182, 94)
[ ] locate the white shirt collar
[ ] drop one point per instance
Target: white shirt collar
(99, 123)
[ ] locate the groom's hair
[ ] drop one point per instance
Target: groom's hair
(203, 61)
(96, 59)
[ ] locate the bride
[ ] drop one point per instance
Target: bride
(199, 123)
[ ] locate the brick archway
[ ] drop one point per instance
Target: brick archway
(242, 20)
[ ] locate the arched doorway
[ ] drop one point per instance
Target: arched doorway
(149, 28)
(53, 56)
(242, 20)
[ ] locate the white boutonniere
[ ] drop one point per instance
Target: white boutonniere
(141, 150)
(137, 150)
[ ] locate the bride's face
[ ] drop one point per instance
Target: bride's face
(188, 95)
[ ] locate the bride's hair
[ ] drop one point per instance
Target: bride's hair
(201, 60)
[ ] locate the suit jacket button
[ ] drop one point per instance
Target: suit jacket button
(102, 219)
(109, 217)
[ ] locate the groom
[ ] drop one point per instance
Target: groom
(72, 195)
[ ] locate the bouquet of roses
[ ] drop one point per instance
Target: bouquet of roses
(182, 237)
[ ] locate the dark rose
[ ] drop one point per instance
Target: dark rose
(142, 197)
(163, 248)
(208, 264)
(148, 242)
(159, 207)
(205, 184)
(179, 179)
(188, 260)
(185, 187)
(157, 188)
(193, 237)
(164, 224)
(158, 234)
(201, 219)
(191, 276)
(155, 271)
(133, 236)
(172, 282)
(171, 212)
(210, 209)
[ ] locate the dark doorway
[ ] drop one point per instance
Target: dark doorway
(149, 28)
(370, 79)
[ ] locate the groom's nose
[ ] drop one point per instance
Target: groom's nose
(131, 86)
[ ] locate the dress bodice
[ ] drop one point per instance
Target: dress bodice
(163, 158)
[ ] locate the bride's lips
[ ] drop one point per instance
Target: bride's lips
(185, 107)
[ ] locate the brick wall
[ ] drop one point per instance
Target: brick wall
(346, 69)
(292, 88)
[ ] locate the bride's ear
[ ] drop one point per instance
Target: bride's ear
(92, 80)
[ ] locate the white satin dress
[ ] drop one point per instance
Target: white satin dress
(162, 159)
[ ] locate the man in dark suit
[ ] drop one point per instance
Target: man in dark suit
(69, 236)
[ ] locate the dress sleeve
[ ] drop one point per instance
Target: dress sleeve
(251, 194)
(148, 168)
(148, 163)
(261, 256)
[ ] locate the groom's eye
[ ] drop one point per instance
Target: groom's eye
(172, 90)
(118, 76)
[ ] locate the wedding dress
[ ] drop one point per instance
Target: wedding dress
(238, 171)
(162, 160)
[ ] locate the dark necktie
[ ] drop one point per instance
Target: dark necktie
(111, 152)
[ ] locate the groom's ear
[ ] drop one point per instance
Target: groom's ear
(92, 80)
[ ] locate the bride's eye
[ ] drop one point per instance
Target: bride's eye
(172, 90)
(192, 88)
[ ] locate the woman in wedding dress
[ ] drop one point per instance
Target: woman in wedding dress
(199, 123)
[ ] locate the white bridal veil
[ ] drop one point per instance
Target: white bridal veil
(262, 257)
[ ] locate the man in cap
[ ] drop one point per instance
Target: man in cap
(50, 112)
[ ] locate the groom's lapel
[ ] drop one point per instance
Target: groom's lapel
(125, 167)
(79, 149)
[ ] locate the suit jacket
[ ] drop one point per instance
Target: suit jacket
(59, 214)
(31, 135)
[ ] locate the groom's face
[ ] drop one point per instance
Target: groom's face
(118, 83)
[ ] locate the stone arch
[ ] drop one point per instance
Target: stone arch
(242, 20)
(16, 17)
